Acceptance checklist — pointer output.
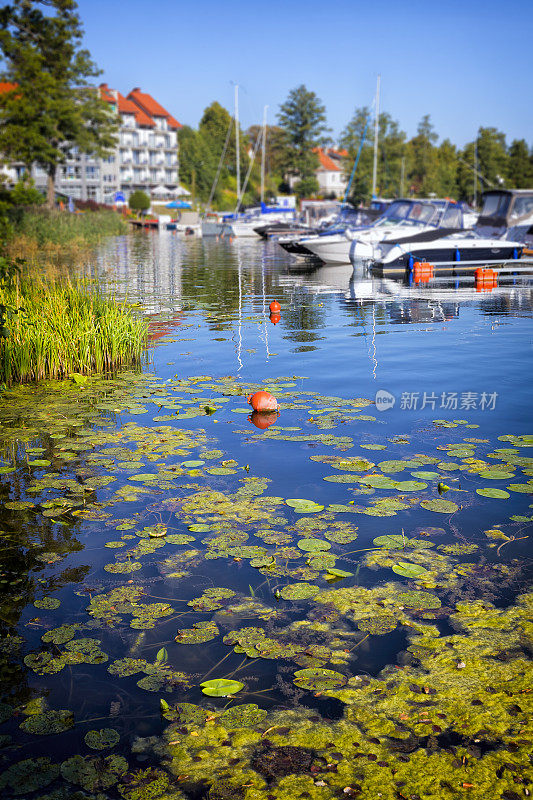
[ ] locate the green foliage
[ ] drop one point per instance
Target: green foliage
(52, 106)
(302, 120)
(64, 327)
(41, 228)
(139, 201)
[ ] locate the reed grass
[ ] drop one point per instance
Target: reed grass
(66, 326)
(40, 231)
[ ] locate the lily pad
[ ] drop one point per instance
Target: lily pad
(440, 506)
(29, 775)
(409, 570)
(318, 680)
(102, 739)
(299, 591)
(47, 603)
(499, 494)
(49, 722)
(221, 687)
(390, 541)
(313, 545)
(304, 506)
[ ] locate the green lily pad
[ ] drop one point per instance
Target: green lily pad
(192, 464)
(93, 774)
(312, 545)
(409, 570)
(29, 775)
(333, 572)
(525, 488)
(304, 506)
(19, 505)
(499, 494)
(102, 739)
(377, 626)
(390, 541)
(246, 716)
(49, 722)
(418, 600)
(299, 591)
(495, 475)
(221, 687)
(47, 603)
(318, 680)
(440, 506)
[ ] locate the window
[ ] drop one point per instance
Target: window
(92, 172)
(522, 207)
(495, 205)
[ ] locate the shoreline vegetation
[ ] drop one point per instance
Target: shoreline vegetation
(62, 327)
(39, 232)
(55, 325)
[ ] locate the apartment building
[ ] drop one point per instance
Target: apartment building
(145, 156)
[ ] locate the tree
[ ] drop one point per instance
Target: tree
(422, 159)
(213, 128)
(520, 165)
(198, 164)
(139, 201)
(447, 165)
(302, 119)
(486, 159)
(391, 148)
(51, 106)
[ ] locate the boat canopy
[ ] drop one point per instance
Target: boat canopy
(505, 207)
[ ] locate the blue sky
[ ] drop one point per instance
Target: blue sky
(465, 63)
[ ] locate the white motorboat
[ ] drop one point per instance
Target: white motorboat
(502, 232)
(401, 216)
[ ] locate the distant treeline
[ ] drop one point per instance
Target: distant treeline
(419, 166)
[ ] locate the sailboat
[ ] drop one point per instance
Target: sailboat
(240, 224)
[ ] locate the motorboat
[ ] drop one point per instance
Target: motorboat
(333, 225)
(401, 217)
(502, 232)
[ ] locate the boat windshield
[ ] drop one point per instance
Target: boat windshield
(495, 205)
(411, 212)
(522, 207)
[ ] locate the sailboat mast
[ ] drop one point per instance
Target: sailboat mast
(376, 131)
(237, 148)
(263, 154)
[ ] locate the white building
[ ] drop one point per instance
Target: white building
(330, 173)
(145, 156)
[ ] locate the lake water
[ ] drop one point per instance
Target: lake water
(148, 545)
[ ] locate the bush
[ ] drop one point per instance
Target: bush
(139, 201)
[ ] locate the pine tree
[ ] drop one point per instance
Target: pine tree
(302, 119)
(52, 106)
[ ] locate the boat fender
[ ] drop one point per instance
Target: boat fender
(263, 402)
(275, 307)
(275, 318)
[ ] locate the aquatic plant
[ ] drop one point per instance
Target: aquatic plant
(65, 328)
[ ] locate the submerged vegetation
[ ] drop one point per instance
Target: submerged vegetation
(63, 327)
(437, 706)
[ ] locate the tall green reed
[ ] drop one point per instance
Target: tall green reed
(66, 326)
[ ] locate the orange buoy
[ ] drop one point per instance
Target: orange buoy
(263, 421)
(263, 402)
(275, 307)
(275, 318)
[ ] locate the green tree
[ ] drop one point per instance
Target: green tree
(422, 163)
(447, 166)
(484, 161)
(213, 128)
(52, 106)
(197, 163)
(302, 119)
(273, 154)
(520, 165)
(391, 147)
(139, 201)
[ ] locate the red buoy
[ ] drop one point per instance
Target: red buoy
(263, 421)
(275, 318)
(263, 402)
(275, 307)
